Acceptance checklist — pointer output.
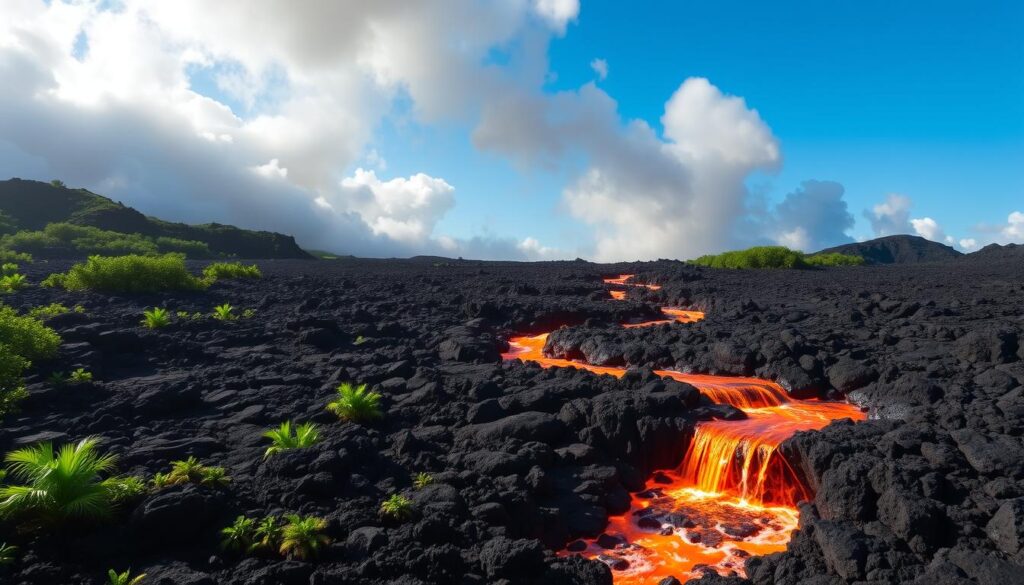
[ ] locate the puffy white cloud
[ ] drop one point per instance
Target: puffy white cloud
(303, 87)
(600, 66)
(930, 229)
(558, 13)
(403, 209)
(1014, 229)
(968, 244)
(534, 250)
(891, 216)
(813, 217)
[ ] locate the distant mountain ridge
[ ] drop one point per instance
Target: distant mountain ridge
(902, 249)
(31, 205)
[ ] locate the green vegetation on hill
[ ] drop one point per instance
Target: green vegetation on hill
(135, 273)
(774, 257)
(23, 339)
(27, 208)
(64, 240)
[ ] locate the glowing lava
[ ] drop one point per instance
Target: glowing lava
(733, 495)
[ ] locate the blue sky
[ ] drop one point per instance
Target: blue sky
(482, 129)
(924, 99)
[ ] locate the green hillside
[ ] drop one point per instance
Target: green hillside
(28, 207)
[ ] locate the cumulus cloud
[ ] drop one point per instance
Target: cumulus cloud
(558, 13)
(891, 216)
(600, 67)
(930, 229)
(1013, 231)
(303, 88)
(402, 209)
(813, 217)
(224, 111)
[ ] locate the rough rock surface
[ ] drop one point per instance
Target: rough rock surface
(526, 459)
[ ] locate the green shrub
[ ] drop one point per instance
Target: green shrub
(224, 312)
(8, 268)
(156, 318)
(27, 336)
(47, 311)
(834, 259)
(219, 270)
(302, 537)
(80, 376)
(125, 578)
(191, 470)
(13, 282)
(756, 257)
(12, 256)
(60, 239)
(285, 437)
(422, 480)
(356, 404)
(60, 485)
(190, 248)
(128, 274)
(774, 257)
(396, 507)
(126, 488)
(240, 536)
(268, 533)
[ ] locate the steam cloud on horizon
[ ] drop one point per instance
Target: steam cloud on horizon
(107, 99)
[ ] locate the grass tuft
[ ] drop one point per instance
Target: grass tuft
(286, 437)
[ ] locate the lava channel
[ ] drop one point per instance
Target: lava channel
(734, 495)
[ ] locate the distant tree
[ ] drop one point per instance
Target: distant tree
(58, 184)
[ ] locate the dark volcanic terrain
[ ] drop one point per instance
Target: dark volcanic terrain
(524, 459)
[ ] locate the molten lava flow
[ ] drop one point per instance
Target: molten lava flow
(734, 494)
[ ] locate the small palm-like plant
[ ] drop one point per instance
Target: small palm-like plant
(248, 313)
(80, 376)
(285, 437)
(59, 485)
(356, 404)
(302, 537)
(396, 507)
(125, 578)
(239, 537)
(7, 554)
(125, 488)
(156, 318)
(13, 282)
(268, 533)
(191, 470)
(224, 312)
(422, 480)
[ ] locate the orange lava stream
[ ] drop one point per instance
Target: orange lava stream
(733, 495)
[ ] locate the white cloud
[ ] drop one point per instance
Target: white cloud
(1014, 229)
(890, 217)
(312, 81)
(271, 170)
(600, 66)
(558, 13)
(811, 218)
(405, 210)
(930, 229)
(534, 250)
(968, 244)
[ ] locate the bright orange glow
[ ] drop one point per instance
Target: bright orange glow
(677, 316)
(618, 295)
(734, 495)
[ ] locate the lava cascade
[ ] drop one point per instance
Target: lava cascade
(733, 495)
